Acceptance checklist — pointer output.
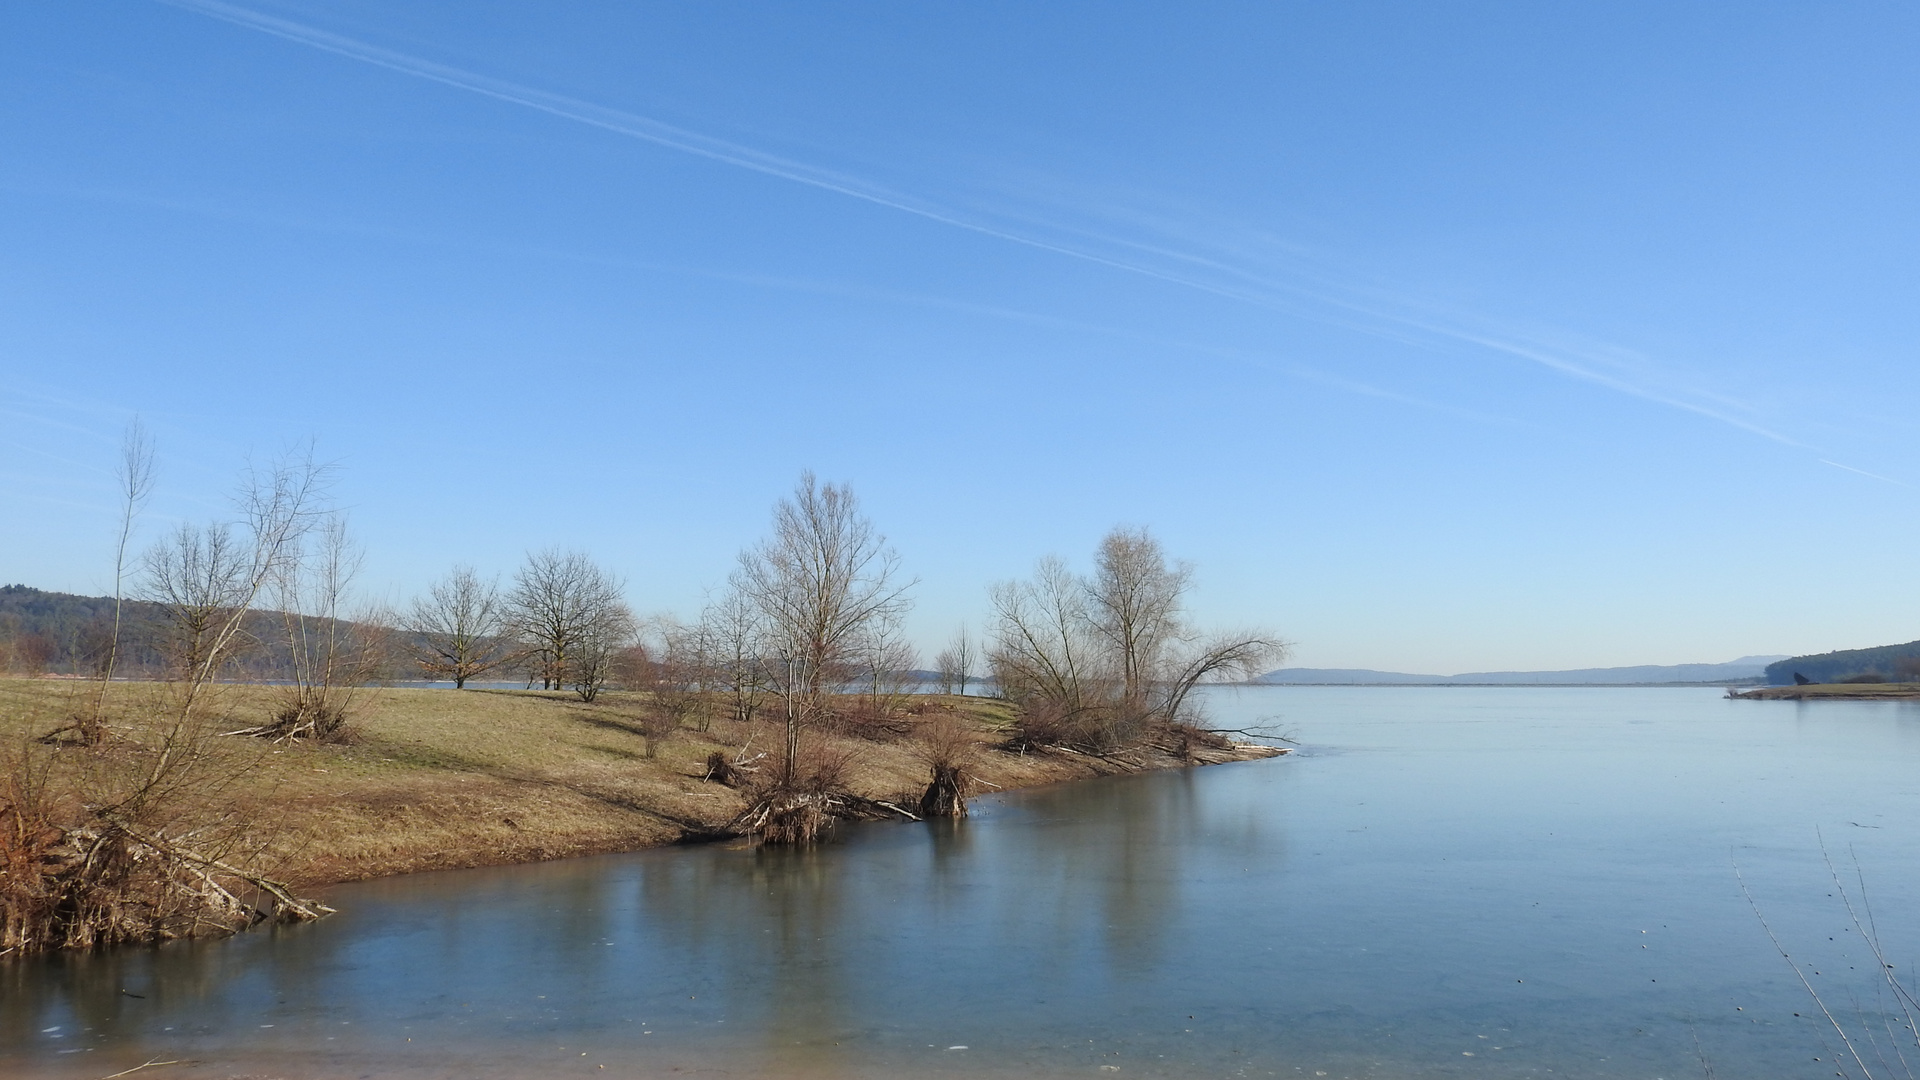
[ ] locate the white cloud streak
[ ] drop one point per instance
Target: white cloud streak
(1323, 301)
(1865, 473)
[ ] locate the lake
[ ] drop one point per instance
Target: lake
(1443, 882)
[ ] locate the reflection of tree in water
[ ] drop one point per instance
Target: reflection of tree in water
(417, 960)
(119, 996)
(902, 929)
(774, 923)
(1110, 862)
(1115, 858)
(929, 926)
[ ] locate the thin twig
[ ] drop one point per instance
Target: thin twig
(143, 1065)
(1706, 1066)
(1870, 933)
(1784, 955)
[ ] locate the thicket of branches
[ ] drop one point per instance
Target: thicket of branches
(133, 826)
(1099, 661)
(827, 592)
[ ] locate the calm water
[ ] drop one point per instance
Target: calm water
(1446, 882)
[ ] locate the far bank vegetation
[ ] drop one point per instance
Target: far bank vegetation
(171, 806)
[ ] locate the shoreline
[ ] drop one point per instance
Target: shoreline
(1832, 692)
(440, 779)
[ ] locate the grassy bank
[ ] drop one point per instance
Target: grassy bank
(1834, 692)
(435, 779)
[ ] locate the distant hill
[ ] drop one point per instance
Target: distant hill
(66, 634)
(1745, 668)
(1892, 662)
(50, 631)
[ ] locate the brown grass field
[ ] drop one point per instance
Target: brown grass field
(437, 778)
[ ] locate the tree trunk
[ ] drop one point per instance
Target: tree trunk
(946, 796)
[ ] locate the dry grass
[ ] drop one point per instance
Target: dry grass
(433, 779)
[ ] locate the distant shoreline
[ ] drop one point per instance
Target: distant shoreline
(1832, 692)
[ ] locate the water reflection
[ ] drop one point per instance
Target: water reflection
(1546, 873)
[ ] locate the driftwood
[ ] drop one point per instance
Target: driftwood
(109, 882)
(787, 816)
(722, 771)
(802, 815)
(861, 807)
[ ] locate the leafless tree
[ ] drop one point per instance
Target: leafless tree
(570, 614)
(1102, 659)
(888, 679)
(820, 585)
(819, 582)
(1221, 656)
(199, 577)
(458, 629)
(947, 746)
(135, 480)
(676, 673)
(332, 652)
(733, 641)
(279, 506)
(1134, 601)
(956, 663)
(605, 630)
(1047, 657)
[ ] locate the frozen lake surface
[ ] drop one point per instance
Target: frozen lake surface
(1444, 882)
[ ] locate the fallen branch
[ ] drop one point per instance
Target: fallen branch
(287, 907)
(137, 1068)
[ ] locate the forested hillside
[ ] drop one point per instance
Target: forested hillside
(1884, 663)
(62, 633)
(54, 633)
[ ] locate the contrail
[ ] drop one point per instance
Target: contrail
(1863, 472)
(1358, 315)
(633, 125)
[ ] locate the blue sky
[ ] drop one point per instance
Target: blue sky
(1440, 337)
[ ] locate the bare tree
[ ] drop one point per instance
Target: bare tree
(1225, 655)
(1134, 601)
(604, 630)
(946, 745)
(1101, 660)
(457, 630)
(279, 507)
(819, 582)
(733, 641)
(569, 612)
(135, 479)
(956, 663)
(1047, 658)
(331, 652)
(889, 679)
(679, 679)
(198, 576)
